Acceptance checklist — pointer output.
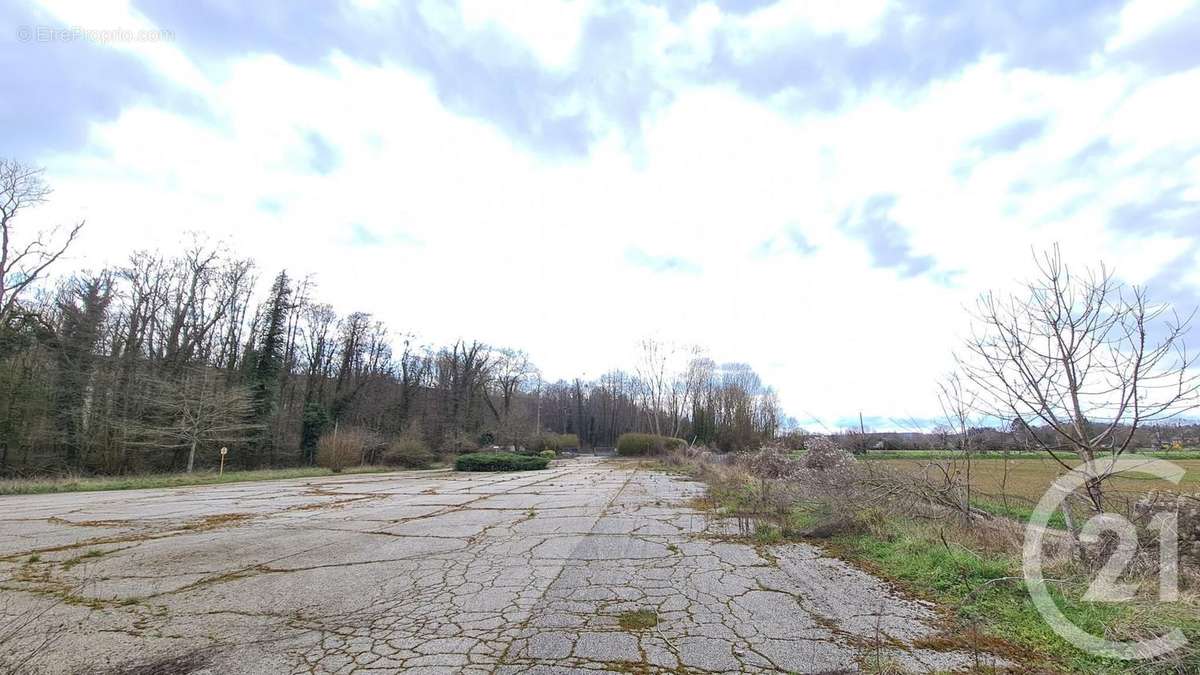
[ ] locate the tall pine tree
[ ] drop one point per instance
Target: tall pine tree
(268, 362)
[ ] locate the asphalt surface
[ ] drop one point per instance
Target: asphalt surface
(556, 571)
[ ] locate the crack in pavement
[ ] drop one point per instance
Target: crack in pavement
(441, 572)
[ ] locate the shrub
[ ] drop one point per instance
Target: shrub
(410, 452)
(548, 454)
(338, 449)
(630, 445)
(555, 442)
(499, 461)
(823, 454)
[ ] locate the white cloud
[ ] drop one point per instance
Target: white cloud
(549, 28)
(1139, 18)
(857, 20)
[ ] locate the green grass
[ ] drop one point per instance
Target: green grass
(979, 588)
(1018, 512)
(35, 486)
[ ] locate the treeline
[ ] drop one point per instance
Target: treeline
(157, 364)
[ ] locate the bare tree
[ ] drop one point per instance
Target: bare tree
(958, 403)
(653, 379)
(1083, 356)
(196, 411)
(510, 370)
(21, 265)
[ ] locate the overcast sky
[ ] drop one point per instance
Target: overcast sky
(816, 188)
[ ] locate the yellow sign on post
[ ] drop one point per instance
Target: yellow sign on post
(224, 451)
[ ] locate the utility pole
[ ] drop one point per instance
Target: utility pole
(862, 430)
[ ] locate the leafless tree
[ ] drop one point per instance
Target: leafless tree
(1084, 356)
(958, 403)
(23, 264)
(509, 372)
(199, 410)
(653, 379)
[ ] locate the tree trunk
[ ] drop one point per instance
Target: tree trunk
(192, 456)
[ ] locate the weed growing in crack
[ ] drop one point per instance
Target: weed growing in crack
(767, 534)
(91, 553)
(642, 619)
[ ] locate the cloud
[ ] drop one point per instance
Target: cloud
(1170, 211)
(886, 241)
(1169, 44)
(1091, 157)
(660, 263)
(322, 156)
(477, 69)
(911, 45)
(56, 86)
(791, 240)
(361, 235)
(1012, 136)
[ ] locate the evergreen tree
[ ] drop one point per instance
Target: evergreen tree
(268, 363)
(84, 304)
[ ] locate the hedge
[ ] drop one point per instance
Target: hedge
(499, 461)
(631, 445)
(555, 442)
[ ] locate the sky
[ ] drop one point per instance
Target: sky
(819, 189)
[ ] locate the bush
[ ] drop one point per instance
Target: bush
(555, 442)
(630, 445)
(499, 461)
(823, 454)
(548, 454)
(409, 452)
(339, 449)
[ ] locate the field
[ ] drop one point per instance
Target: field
(1012, 486)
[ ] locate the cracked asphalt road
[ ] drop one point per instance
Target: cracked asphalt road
(433, 572)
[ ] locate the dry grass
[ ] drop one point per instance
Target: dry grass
(31, 486)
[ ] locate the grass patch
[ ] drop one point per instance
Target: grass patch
(980, 589)
(1018, 512)
(35, 486)
(642, 619)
